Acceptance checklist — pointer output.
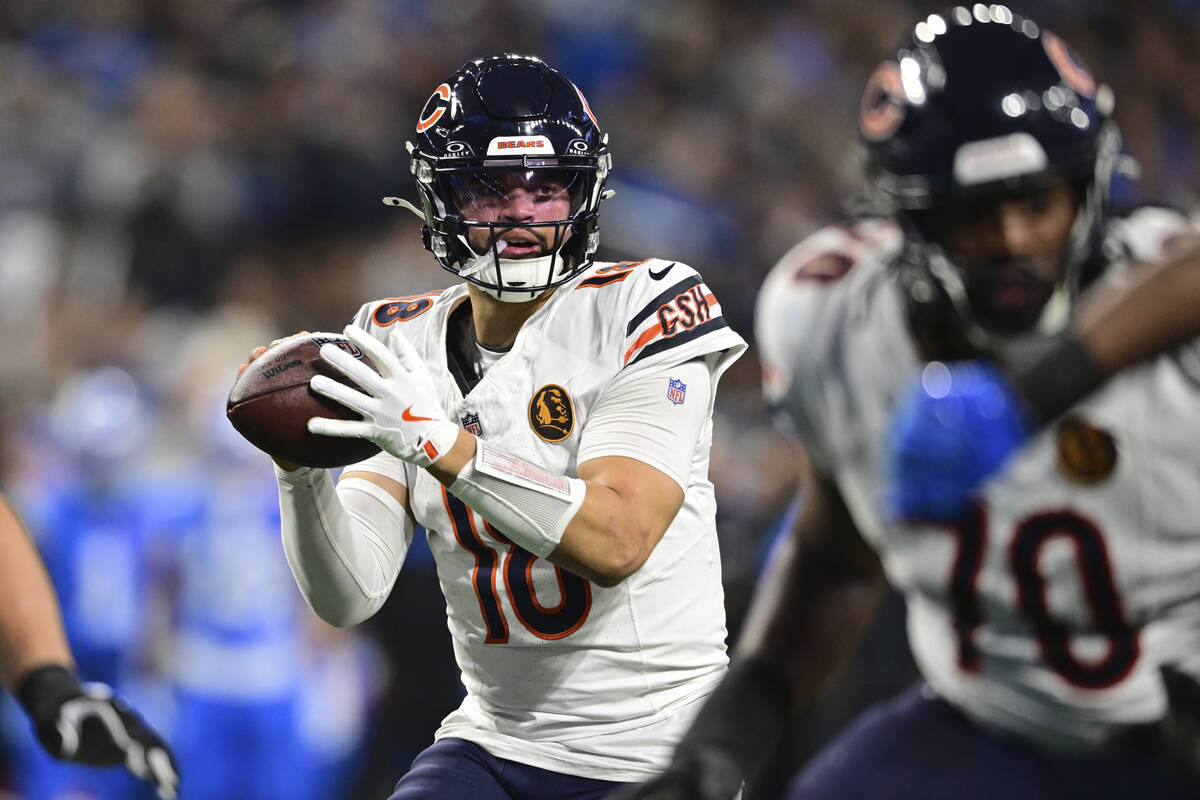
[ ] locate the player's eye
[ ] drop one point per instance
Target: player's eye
(548, 191)
(1041, 202)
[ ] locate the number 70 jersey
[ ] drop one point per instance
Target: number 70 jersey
(561, 673)
(1047, 610)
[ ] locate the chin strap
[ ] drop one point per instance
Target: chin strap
(481, 261)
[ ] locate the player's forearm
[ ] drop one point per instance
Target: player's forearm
(609, 538)
(597, 531)
(820, 592)
(808, 617)
(1160, 310)
(342, 544)
(31, 632)
(1114, 330)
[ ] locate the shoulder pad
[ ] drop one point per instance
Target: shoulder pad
(832, 252)
(669, 307)
(390, 310)
(805, 301)
(1149, 232)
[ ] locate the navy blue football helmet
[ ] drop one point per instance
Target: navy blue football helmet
(498, 122)
(979, 105)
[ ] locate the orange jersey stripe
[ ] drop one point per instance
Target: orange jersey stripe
(652, 333)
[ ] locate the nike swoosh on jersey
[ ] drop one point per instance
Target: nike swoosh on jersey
(658, 276)
(407, 417)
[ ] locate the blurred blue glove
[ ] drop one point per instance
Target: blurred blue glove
(952, 429)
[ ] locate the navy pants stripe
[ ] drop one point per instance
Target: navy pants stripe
(918, 746)
(455, 769)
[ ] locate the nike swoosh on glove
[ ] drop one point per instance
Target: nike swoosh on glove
(955, 427)
(87, 724)
(399, 404)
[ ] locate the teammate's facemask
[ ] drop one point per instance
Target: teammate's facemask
(982, 107)
(510, 167)
(1012, 280)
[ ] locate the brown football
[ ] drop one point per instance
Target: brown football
(270, 403)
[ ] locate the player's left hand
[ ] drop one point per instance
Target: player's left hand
(399, 403)
(87, 724)
(953, 429)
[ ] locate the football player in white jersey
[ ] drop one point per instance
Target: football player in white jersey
(1042, 610)
(547, 420)
(82, 723)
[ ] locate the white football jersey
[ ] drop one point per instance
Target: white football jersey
(1047, 612)
(560, 673)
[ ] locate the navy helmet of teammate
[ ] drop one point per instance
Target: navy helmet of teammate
(500, 123)
(971, 111)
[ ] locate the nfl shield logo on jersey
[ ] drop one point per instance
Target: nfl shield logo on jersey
(676, 390)
(470, 423)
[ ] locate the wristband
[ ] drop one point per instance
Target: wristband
(529, 504)
(44, 689)
(1056, 379)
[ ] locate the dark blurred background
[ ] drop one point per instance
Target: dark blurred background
(182, 180)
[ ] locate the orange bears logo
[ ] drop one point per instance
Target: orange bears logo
(550, 413)
(1086, 454)
(882, 109)
(435, 107)
(1072, 70)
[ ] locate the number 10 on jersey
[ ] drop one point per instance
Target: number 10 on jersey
(516, 573)
(1054, 636)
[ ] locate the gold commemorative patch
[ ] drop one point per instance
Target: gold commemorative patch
(1086, 454)
(550, 413)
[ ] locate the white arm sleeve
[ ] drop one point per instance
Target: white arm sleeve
(345, 545)
(637, 417)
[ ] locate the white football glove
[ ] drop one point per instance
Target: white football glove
(399, 403)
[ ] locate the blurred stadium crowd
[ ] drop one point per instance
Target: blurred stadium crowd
(181, 180)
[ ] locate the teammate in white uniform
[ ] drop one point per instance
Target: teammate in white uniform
(1040, 611)
(548, 423)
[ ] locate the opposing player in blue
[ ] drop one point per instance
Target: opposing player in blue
(1051, 574)
(84, 512)
(81, 723)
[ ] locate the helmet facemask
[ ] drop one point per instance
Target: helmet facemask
(1045, 288)
(542, 212)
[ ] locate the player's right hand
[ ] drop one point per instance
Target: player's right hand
(954, 428)
(398, 401)
(703, 775)
(87, 724)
